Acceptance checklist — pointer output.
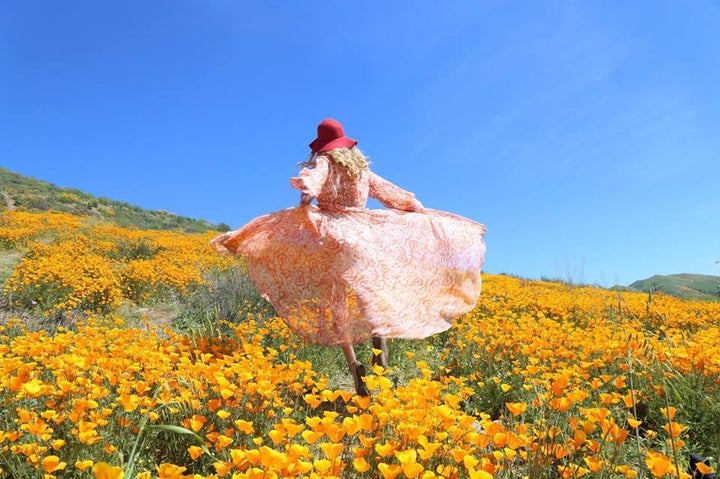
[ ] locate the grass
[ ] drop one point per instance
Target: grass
(8, 261)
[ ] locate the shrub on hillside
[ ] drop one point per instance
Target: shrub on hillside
(225, 296)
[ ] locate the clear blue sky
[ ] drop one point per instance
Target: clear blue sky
(585, 135)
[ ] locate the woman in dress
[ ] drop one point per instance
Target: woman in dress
(339, 273)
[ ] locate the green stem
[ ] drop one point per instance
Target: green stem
(667, 410)
(634, 407)
(132, 460)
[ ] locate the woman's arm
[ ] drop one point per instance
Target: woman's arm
(391, 195)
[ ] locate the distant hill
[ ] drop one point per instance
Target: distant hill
(29, 194)
(688, 286)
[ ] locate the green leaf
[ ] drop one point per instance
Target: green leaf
(181, 430)
(175, 429)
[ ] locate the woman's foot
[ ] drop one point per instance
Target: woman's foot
(358, 370)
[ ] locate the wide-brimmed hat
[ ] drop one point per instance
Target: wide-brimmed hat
(330, 135)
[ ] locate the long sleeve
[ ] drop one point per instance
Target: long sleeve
(311, 180)
(392, 195)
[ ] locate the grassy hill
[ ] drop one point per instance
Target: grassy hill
(29, 194)
(688, 286)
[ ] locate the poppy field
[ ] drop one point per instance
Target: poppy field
(542, 379)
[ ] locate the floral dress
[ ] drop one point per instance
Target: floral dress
(340, 273)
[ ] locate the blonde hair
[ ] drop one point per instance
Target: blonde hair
(352, 159)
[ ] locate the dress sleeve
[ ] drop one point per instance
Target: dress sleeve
(391, 195)
(311, 180)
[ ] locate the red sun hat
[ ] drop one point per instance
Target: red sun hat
(330, 136)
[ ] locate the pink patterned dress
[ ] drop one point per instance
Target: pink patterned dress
(340, 273)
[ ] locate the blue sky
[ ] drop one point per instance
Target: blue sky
(585, 135)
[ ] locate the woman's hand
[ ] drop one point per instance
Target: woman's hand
(417, 206)
(297, 183)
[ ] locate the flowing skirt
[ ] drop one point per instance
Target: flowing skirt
(342, 277)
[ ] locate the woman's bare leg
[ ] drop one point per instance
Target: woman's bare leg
(357, 369)
(338, 303)
(380, 359)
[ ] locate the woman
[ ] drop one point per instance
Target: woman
(339, 273)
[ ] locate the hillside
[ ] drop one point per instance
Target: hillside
(688, 286)
(29, 194)
(18, 192)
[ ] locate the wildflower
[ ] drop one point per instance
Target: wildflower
(170, 471)
(103, 470)
(516, 408)
(84, 465)
(332, 450)
(389, 471)
(195, 452)
(52, 464)
(658, 463)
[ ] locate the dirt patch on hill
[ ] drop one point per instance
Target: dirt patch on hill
(161, 316)
(9, 202)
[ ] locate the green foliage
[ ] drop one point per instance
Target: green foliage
(695, 397)
(225, 296)
(128, 250)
